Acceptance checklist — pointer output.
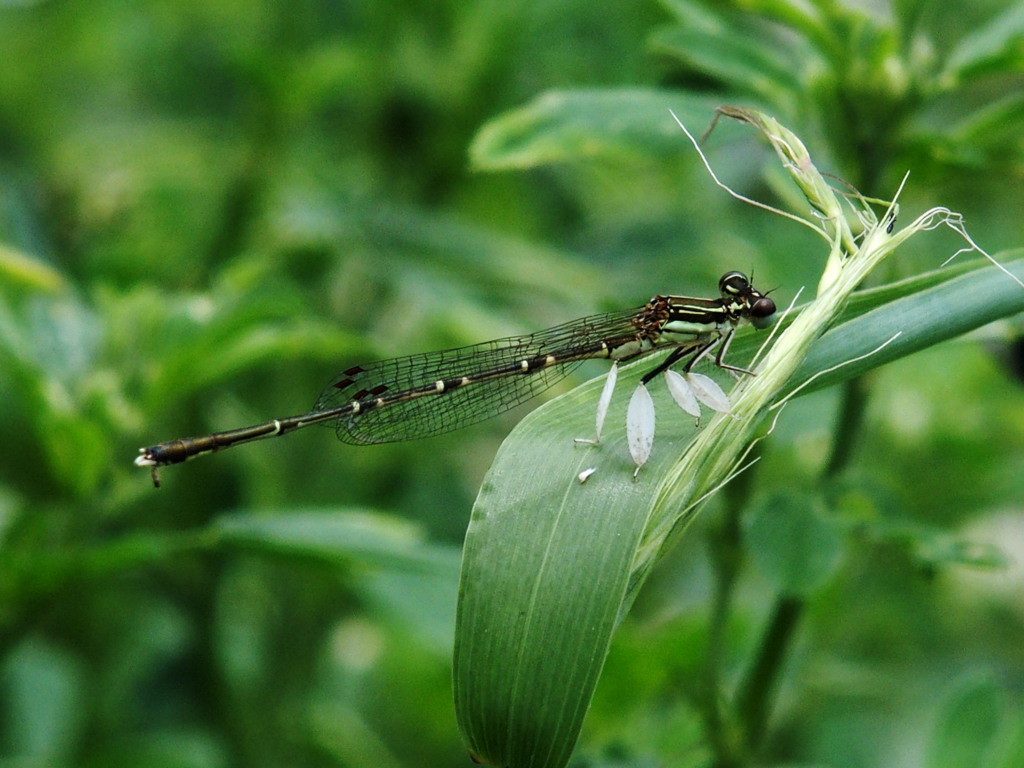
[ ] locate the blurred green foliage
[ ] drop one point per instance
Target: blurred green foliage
(207, 209)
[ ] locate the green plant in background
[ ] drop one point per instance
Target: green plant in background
(207, 209)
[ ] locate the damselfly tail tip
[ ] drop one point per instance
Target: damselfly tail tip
(145, 458)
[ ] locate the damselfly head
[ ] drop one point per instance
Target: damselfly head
(759, 309)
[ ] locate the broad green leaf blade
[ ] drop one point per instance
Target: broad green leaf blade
(991, 47)
(933, 548)
(20, 270)
(994, 127)
(563, 126)
(1012, 753)
(966, 731)
(811, 21)
(546, 568)
(385, 558)
(920, 317)
(732, 58)
(225, 351)
(45, 690)
(335, 536)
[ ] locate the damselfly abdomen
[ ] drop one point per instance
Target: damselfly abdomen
(422, 395)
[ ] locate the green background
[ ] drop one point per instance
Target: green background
(207, 209)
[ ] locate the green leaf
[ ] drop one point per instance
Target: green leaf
(983, 135)
(48, 348)
(922, 316)
(1012, 753)
(793, 545)
(545, 571)
(992, 47)
(933, 548)
(809, 19)
(18, 269)
(226, 350)
(966, 731)
(733, 58)
(44, 690)
(78, 450)
(811, 29)
(336, 536)
(391, 565)
(562, 126)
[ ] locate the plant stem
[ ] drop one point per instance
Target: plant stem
(758, 689)
(725, 549)
(726, 553)
(852, 408)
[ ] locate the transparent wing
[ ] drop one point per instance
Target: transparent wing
(496, 383)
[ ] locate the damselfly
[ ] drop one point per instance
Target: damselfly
(422, 395)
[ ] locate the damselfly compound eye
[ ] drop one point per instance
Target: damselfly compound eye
(762, 313)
